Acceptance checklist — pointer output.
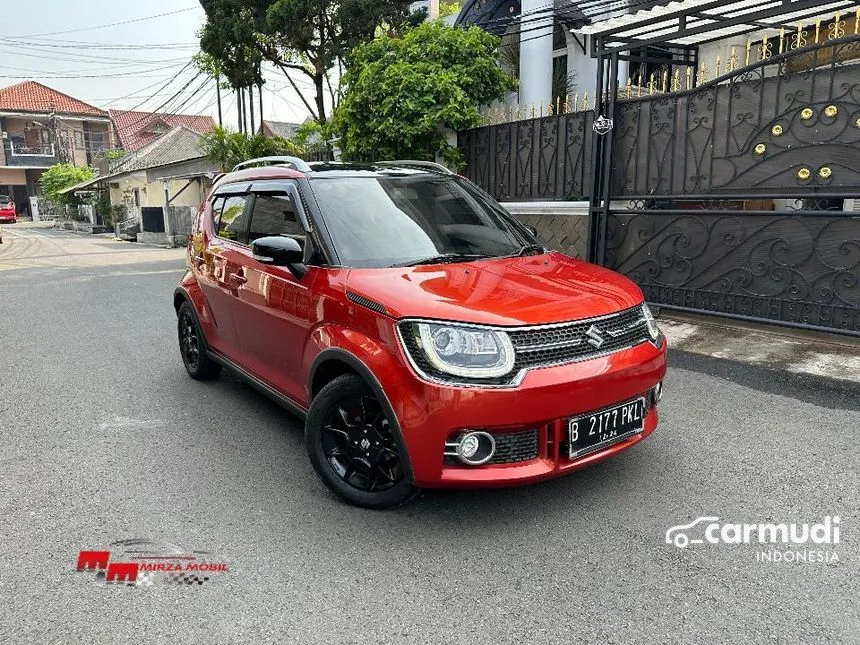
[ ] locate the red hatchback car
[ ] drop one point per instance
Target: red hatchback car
(423, 334)
(7, 209)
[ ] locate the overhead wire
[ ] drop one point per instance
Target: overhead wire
(113, 24)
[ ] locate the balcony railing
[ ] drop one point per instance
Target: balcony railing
(20, 155)
(45, 150)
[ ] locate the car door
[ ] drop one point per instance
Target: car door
(274, 317)
(222, 260)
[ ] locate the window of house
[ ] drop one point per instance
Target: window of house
(230, 220)
(96, 142)
(275, 215)
(79, 140)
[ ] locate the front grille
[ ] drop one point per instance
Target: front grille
(512, 447)
(570, 342)
(542, 346)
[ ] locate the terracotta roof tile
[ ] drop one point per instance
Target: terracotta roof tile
(136, 129)
(31, 96)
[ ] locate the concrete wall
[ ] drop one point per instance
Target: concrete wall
(562, 226)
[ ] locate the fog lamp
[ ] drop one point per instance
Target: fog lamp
(476, 448)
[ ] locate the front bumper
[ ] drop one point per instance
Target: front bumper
(431, 415)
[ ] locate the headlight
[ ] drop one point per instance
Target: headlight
(470, 352)
(653, 329)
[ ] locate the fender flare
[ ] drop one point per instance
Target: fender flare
(344, 356)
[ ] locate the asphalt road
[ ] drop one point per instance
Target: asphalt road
(106, 438)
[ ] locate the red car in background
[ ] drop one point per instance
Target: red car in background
(424, 334)
(7, 210)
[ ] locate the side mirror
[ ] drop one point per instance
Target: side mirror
(281, 252)
(532, 230)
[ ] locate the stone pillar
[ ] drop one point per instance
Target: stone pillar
(536, 28)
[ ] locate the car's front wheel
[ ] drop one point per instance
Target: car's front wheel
(351, 444)
(192, 346)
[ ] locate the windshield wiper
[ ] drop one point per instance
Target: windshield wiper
(444, 258)
(529, 248)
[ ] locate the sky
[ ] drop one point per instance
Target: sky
(76, 48)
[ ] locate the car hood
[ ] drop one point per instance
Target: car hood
(530, 290)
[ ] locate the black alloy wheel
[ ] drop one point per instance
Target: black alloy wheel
(351, 443)
(192, 346)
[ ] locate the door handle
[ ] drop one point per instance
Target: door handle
(238, 279)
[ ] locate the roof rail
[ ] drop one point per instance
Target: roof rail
(295, 162)
(416, 163)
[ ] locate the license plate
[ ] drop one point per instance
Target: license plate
(594, 431)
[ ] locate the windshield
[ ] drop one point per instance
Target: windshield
(5, 199)
(397, 220)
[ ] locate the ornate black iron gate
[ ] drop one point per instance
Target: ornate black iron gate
(739, 195)
(731, 197)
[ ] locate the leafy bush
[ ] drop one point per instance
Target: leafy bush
(402, 93)
(62, 176)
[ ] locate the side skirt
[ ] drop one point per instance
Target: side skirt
(266, 389)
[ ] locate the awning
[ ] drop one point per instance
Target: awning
(626, 24)
(83, 185)
(693, 22)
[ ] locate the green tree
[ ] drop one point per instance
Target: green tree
(310, 37)
(448, 8)
(403, 93)
(228, 148)
(62, 176)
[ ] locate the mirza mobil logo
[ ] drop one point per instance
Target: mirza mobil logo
(139, 562)
(785, 542)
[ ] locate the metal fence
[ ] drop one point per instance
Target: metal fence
(729, 197)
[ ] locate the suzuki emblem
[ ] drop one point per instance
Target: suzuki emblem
(594, 336)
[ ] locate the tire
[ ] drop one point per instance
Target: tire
(192, 346)
(351, 444)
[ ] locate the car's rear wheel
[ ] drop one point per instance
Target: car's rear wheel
(192, 346)
(351, 444)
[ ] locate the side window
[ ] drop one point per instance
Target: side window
(275, 215)
(230, 220)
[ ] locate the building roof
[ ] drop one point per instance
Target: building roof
(31, 96)
(181, 143)
(288, 131)
(280, 129)
(136, 129)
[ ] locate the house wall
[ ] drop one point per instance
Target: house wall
(151, 192)
(13, 177)
(122, 189)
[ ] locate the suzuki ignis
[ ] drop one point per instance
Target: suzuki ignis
(423, 334)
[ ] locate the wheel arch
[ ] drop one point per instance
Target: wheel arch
(180, 296)
(333, 362)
